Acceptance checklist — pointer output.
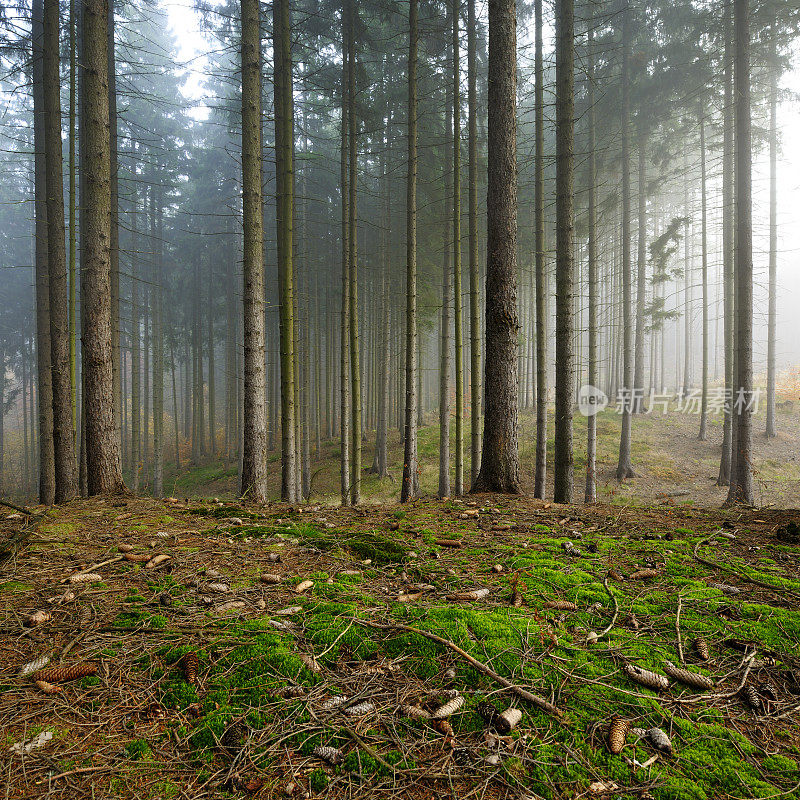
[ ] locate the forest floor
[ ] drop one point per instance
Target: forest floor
(358, 661)
(673, 467)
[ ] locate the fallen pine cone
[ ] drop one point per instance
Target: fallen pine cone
(475, 594)
(415, 712)
(303, 586)
(47, 688)
(233, 739)
(516, 598)
(268, 577)
(652, 680)
(660, 740)
(615, 575)
(137, 558)
(359, 709)
(560, 605)
(487, 712)
(63, 674)
(33, 666)
(310, 662)
(330, 754)
(446, 729)
(448, 708)
(190, 665)
(507, 720)
(617, 731)
(767, 688)
(752, 698)
(38, 618)
(86, 577)
(643, 574)
(156, 561)
(701, 646)
(448, 542)
(290, 692)
(693, 679)
(334, 702)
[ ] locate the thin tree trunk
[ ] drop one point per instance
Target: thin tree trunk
(47, 470)
(410, 487)
(444, 349)
(156, 293)
(771, 429)
(641, 275)
(624, 467)
(565, 226)
(741, 488)
(72, 221)
(590, 495)
(500, 468)
(284, 149)
(540, 476)
(63, 442)
(457, 308)
(704, 251)
(254, 471)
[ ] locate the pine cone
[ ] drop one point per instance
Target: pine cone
(701, 646)
(414, 712)
(47, 688)
(233, 739)
(190, 664)
(767, 688)
(617, 731)
(660, 740)
(751, 697)
(693, 679)
(643, 574)
(507, 720)
(652, 680)
(487, 712)
(448, 709)
(330, 754)
(63, 674)
(560, 605)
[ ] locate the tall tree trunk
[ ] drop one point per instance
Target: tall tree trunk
(641, 274)
(457, 308)
(114, 248)
(355, 365)
(771, 429)
(688, 373)
(540, 476)
(500, 469)
(410, 487)
(103, 467)
(445, 346)
(47, 470)
(590, 494)
(254, 468)
(212, 389)
(63, 442)
(284, 152)
(624, 467)
(156, 292)
(724, 477)
(565, 226)
(476, 421)
(741, 488)
(344, 337)
(73, 69)
(704, 252)
(135, 454)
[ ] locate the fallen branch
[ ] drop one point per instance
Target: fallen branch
(614, 616)
(678, 628)
(93, 568)
(539, 702)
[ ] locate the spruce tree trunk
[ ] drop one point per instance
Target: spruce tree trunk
(771, 429)
(565, 226)
(47, 470)
(590, 494)
(641, 274)
(704, 252)
(103, 468)
(284, 156)
(355, 364)
(66, 476)
(344, 336)
(688, 373)
(500, 469)
(212, 395)
(624, 466)
(476, 420)
(156, 293)
(445, 344)
(724, 477)
(73, 69)
(457, 307)
(741, 488)
(410, 487)
(254, 470)
(540, 476)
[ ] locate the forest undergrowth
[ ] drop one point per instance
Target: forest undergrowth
(212, 649)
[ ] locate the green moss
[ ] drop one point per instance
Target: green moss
(138, 749)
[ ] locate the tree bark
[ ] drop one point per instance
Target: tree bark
(704, 253)
(254, 472)
(565, 226)
(590, 494)
(500, 468)
(641, 273)
(741, 488)
(540, 476)
(772, 314)
(410, 487)
(66, 477)
(344, 335)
